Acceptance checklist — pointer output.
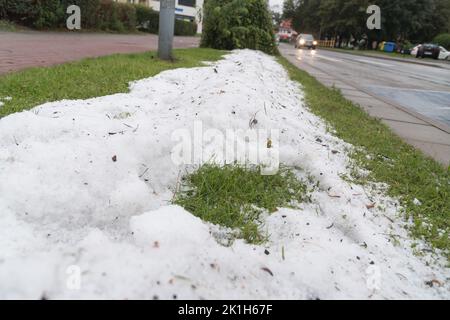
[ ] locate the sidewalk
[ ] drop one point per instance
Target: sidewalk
(20, 50)
(431, 138)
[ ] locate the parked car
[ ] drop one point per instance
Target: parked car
(444, 54)
(428, 50)
(414, 50)
(305, 41)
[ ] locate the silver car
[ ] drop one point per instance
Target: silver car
(305, 41)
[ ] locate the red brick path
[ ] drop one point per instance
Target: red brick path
(20, 50)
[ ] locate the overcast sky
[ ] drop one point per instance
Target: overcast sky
(276, 2)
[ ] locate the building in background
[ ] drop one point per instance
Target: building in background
(191, 10)
(286, 32)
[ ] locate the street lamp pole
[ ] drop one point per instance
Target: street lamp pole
(166, 29)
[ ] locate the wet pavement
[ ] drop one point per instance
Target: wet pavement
(24, 49)
(412, 99)
(424, 89)
(433, 104)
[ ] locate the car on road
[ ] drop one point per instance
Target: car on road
(305, 41)
(428, 50)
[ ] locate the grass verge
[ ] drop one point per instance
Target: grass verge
(91, 77)
(408, 172)
(235, 197)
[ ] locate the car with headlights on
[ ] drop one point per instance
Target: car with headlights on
(305, 41)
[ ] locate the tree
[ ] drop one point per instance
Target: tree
(237, 24)
(276, 18)
(345, 18)
(289, 9)
(418, 20)
(441, 16)
(407, 19)
(306, 16)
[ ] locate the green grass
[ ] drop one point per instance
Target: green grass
(90, 77)
(408, 172)
(235, 197)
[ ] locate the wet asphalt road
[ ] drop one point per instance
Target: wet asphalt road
(420, 88)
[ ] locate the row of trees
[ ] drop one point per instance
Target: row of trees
(417, 20)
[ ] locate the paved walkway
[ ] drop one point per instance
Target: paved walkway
(20, 50)
(431, 137)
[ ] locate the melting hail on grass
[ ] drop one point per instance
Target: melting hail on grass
(86, 190)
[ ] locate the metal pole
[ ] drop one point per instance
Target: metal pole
(166, 29)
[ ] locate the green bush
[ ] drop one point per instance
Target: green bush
(3, 9)
(108, 18)
(147, 19)
(127, 16)
(236, 24)
(95, 15)
(443, 39)
(185, 28)
(49, 14)
(20, 11)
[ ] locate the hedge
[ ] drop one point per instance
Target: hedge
(443, 39)
(236, 24)
(148, 21)
(185, 28)
(95, 15)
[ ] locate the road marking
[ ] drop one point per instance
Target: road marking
(357, 60)
(408, 89)
(328, 58)
(373, 62)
